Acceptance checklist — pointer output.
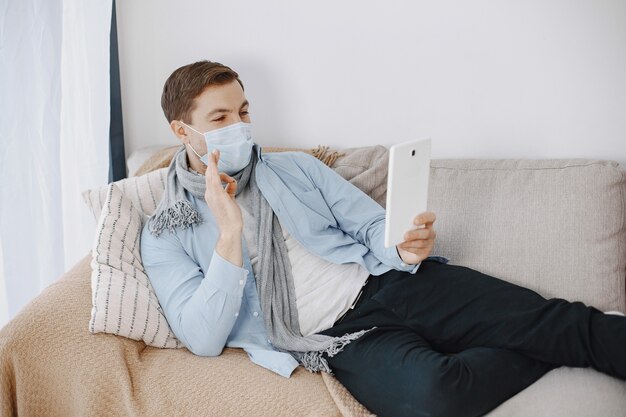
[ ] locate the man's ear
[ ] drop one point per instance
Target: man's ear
(179, 131)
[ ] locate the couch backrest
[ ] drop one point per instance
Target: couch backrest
(555, 226)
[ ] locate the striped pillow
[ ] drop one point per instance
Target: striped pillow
(123, 300)
(144, 191)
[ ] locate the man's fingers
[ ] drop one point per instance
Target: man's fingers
(231, 189)
(426, 218)
(212, 160)
(415, 244)
(224, 177)
(425, 233)
(231, 183)
(211, 174)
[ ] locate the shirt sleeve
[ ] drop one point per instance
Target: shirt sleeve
(414, 267)
(365, 224)
(201, 308)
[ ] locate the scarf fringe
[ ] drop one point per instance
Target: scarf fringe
(313, 360)
(181, 214)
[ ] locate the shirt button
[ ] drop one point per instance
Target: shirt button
(255, 314)
(241, 282)
(236, 314)
(403, 264)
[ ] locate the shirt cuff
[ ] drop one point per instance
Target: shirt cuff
(410, 268)
(280, 362)
(226, 276)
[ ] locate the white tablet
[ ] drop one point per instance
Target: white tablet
(407, 188)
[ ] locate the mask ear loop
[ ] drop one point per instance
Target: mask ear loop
(194, 151)
(191, 128)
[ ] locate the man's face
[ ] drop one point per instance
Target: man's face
(216, 107)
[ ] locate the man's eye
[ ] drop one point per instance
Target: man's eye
(245, 112)
(218, 119)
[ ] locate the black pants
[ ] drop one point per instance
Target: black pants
(451, 341)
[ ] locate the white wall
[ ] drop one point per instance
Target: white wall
(484, 79)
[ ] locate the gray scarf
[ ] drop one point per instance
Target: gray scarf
(274, 281)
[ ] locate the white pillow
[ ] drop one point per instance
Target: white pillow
(144, 191)
(123, 300)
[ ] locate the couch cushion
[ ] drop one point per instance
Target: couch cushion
(568, 392)
(555, 226)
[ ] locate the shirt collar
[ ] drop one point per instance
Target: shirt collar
(259, 151)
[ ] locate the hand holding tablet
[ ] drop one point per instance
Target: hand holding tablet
(407, 188)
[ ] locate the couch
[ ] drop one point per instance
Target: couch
(556, 226)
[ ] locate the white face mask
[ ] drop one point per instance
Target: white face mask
(234, 143)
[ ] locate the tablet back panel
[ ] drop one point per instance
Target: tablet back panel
(407, 188)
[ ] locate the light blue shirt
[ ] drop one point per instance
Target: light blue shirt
(211, 303)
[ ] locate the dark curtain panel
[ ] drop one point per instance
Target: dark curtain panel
(117, 164)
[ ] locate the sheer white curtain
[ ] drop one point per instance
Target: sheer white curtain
(54, 126)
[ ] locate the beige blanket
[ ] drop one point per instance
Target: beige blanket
(50, 365)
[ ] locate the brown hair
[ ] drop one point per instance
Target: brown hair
(187, 83)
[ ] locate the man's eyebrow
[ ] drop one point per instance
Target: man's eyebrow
(212, 112)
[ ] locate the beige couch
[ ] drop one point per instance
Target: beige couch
(555, 226)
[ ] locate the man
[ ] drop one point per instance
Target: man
(277, 254)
